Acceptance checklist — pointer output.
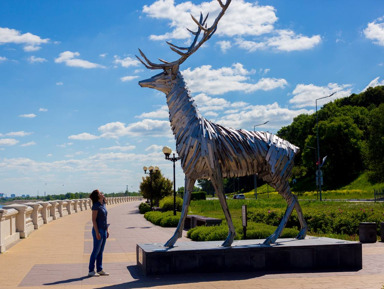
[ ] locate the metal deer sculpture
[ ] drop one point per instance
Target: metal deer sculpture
(211, 151)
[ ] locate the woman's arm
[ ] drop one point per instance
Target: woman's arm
(94, 216)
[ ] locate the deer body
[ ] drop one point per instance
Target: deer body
(211, 151)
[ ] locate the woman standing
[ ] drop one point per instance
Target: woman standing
(99, 232)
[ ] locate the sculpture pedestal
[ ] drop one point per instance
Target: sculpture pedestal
(250, 255)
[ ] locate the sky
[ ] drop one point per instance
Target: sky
(73, 117)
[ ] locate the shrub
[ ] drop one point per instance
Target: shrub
(211, 233)
(166, 219)
(220, 233)
(166, 204)
(144, 207)
(201, 195)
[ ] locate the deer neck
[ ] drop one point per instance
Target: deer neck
(183, 114)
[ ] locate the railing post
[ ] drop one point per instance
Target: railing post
(55, 213)
(8, 234)
(24, 223)
(37, 217)
(46, 212)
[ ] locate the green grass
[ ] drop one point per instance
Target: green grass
(363, 183)
(332, 219)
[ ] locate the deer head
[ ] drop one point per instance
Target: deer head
(163, 81)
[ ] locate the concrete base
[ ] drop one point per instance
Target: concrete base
(311, 254)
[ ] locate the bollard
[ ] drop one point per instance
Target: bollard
(367, 232)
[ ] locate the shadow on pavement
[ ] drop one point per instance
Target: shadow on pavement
(143, 281)
(68, 281)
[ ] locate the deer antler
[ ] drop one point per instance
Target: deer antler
(185, 52)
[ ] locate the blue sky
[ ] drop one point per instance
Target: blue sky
(73, 117)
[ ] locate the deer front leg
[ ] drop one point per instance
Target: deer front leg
(189, 183)
(272, 239)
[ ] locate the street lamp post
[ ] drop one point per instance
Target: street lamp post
(319, 173)
(150, 170)
(167, 152)
(255, 176)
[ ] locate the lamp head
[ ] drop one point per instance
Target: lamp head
(167, 151)
(145, 169)
(150, 169)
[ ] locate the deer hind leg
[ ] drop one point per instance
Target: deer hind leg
(217, 183)
(291, 201)
(189, 183)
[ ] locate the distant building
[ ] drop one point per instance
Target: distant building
(1, 195)
(13, 196)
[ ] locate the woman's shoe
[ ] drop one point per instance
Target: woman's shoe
(102, 273)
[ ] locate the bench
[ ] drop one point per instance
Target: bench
(192, 221)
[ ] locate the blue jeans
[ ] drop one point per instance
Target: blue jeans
(98, 248)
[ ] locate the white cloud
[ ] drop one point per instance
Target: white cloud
(43, 109)
(119, 148)
(59, 83)
(83, 136)
(8, 141)
(18, 133)
(103, 55)
(34, 59)
(226, 79)
(31, 143)
(32, 42)
(126, 62)
(161, 113)
(285, 40)
(3, 58)
(65, 145)
(128, 78)
(251, 115)
(374, 83)
(207, 103)
(154, 148)
(145, 127)
(70, 59)
(224, 45)
(375, 31)
(242, 18)
(28, 115)
(115, 130)
(305, 95)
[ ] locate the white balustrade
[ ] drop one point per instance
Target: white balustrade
(20, 220)
(8, 233)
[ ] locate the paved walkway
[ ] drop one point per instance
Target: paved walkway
(56, 256)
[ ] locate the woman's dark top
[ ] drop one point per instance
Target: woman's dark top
(102, 213)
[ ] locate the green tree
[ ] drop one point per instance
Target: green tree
(375, 144)
(155, 187)
(341, 141)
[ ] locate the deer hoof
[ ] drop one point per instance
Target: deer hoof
(228, 242)
(302, 234)
(171, 242)
(270, 240)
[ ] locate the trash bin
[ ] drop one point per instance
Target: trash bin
(367, 232)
